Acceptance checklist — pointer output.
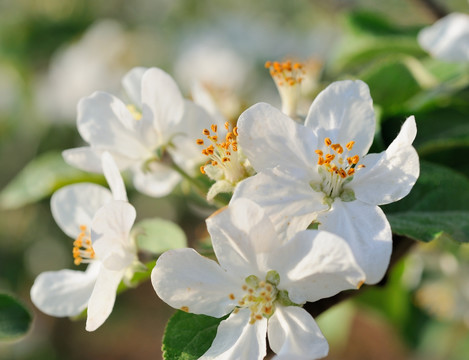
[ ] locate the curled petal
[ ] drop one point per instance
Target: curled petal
(294, 335)
(238, 339)
(185, 280)
(367, 232)
(390, 175)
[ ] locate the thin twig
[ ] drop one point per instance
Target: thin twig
(436, 10)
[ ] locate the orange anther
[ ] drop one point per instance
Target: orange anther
(327, 141)
(320, 160)
(342, 173)
(199, 142)
(319, 152)
(185, 308)
(231, 296)
(214, 128)
(235, 131)
(355, 159)
(202, 169)
(206, 132)
(351, 171)
(349, 145)
(268, 64)
(227, 125)
(83, 227)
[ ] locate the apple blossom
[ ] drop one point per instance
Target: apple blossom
(320, 173)
(156, 123)
(448, 38)
(261, 281)
(100, 222)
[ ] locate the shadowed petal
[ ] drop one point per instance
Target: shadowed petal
(238, 339)
(294, 335)
(185, 280)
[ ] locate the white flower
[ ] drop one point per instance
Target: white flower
(448, 38)
(319, 172)
(261, 280)
(226, 165)
(100, 223)
(95, 61)
(158, 122)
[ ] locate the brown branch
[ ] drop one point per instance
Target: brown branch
(434, 9)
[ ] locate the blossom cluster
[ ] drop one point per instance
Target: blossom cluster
(303, 222)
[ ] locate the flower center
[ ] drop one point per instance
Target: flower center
(82, 248)
(222, 154)
(336, 166)
(259, 298)
(288, 78)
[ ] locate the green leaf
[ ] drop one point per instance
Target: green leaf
(438, 189)
(15, 319)
(39, 179)
(159, 235)
(394, 80)
(427, 226)
(438, 204)
(189, 336)
(371, 23)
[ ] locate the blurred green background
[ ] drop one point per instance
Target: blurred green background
(53, 52)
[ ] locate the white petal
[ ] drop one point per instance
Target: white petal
(184, 279)
(269, 138)
(344, 112)
(242, 235)
(132, 83)
(110, 233)
(294, 335)
(448, 38)
(162, 102)
(75, 205)
(288, 199)
(159, 181)
(187, 153)
(89, 159)
(103, 297)
(65, 292)
(366, 230)
(202, 97)
(113, 177)
(315, 265)
(238, 339)
(389, 176)
(105, 122)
